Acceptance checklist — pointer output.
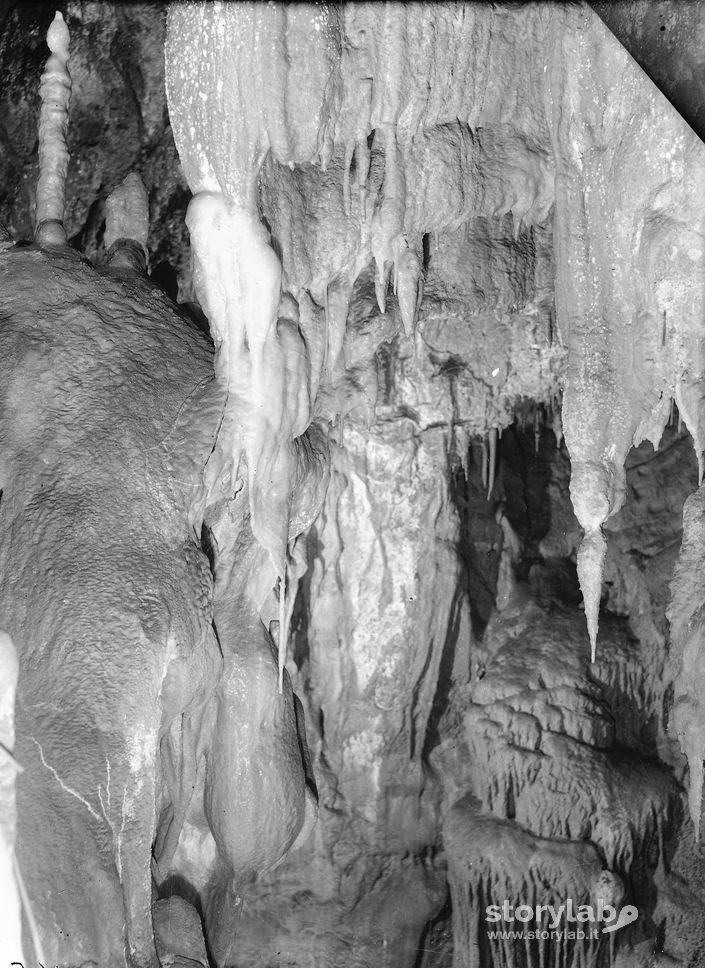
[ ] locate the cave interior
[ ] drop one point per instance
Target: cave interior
(352, 567)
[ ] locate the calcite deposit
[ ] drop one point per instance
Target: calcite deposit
(429, 422)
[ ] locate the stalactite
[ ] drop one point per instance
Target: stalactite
(492, 461)
(388, 220)
(614, 285)
(362, 171)
(597, 490)
(283, 638)
(461, 442)
(341, 430)
(261, 359)
(55, 91)
(408, 286)
(557, 422)
(591, 561)
(609, 310)
(337, 303)
(260, 355)
(537, 429)
(690, 397)
(347, 161)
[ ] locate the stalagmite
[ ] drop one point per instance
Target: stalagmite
(55, 91)
(541, 739)
(494, 861)
(127, 225)
(127, 212)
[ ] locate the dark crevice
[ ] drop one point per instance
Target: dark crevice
(525, 479)
(426, 247)
(302, 604)
(445, 679)
(208, 547)
(479, 538)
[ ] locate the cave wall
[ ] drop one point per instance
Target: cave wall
(438, 639)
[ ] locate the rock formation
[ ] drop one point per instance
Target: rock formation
(448, 258)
